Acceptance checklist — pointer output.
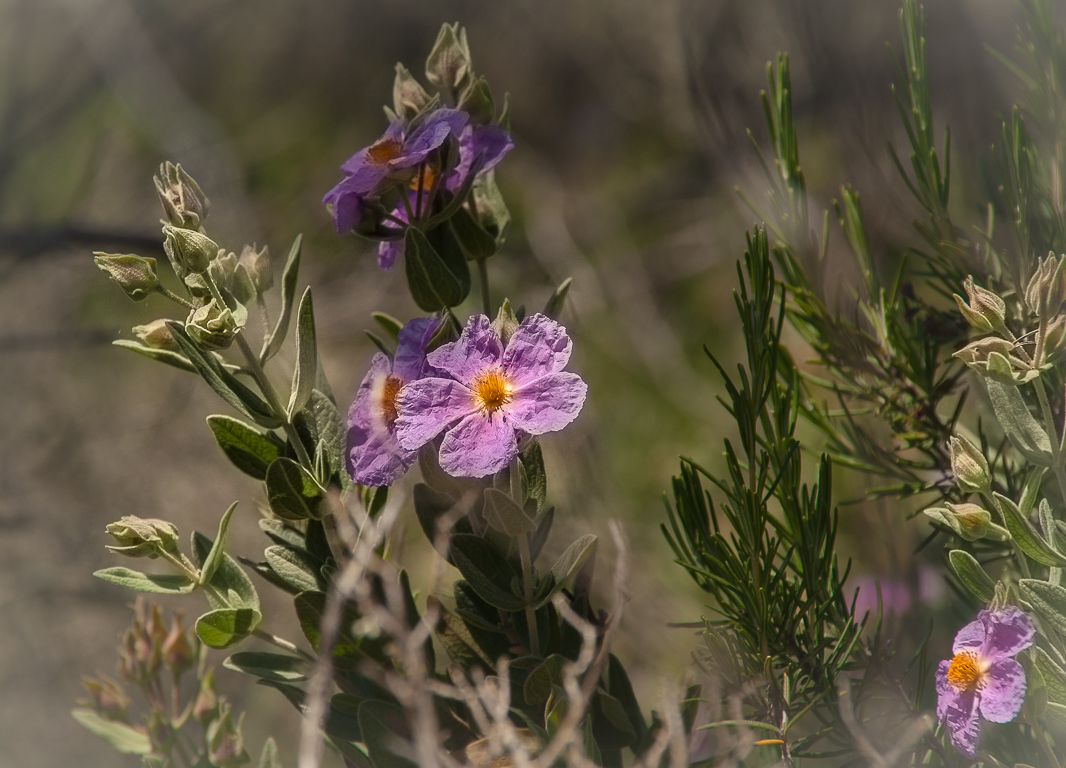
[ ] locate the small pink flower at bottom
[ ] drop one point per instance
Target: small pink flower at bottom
(374, 456)
(486, 395)
(982, 680)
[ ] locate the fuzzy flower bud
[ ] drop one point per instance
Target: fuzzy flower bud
(177, 653)
(191, 250)
(968, 521)
(137, 537)
(448, 65)
(1047, 287)
(408, 96)
(106, 697)
(136, 275)
(257, 264)
(184, 203)
(211, 327)
(969, 466)
(156, 335)
(985, 311)
(205, 705)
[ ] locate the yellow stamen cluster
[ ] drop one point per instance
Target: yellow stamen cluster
(966, 671)
(427, 178)
(491, 390)
(390, 393)
(383, 150)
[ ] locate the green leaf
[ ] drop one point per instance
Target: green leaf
(268, 758)
(555, 304)
(272, 344)
(291, 491)
(1018, 423)
(430, 506)
(569, 563)
(504, 514)
(389, 324)
(224, 383)
(1026, 536)
(218, 548)
(491, 208)
(295, 568)
(303, 377)
(1047, 600)
(250, 450)
(619, 687)
(230, 586)
(432, 285)
(972, 575)
(1054, 676)
(541, 679)
(451, 254)
(555, 710)
(477, 244)
(224, 627)
(382, 725)
(293, 694)
(281, 533)
(342, 720)
(455, 636)
(348, 651)
(160, 355)
(540, 536)
(610, 723)
(122, 737)
(487, 571)
(536, 477)
(156, 583)
(1031, 491)
(412, 616)
(270, 666)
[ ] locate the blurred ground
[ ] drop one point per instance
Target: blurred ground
(629, 121)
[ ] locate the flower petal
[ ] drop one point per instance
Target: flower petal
(548, 404)
(358, 161)
(539, 346)
(388, 252)
(411, 348)
(1006, 632)
(348, 208)
(427, 406)
(429, 135)
(958, 711)
(479, 347)
(479, 445)
(971, 636)
(1003, 692)
(379, 461)
(359, 413)
(488, 140)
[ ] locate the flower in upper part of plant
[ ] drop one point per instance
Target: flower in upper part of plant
(982, 680)
(392, 157)
(489, 392)
(374, 456)
(480, 149)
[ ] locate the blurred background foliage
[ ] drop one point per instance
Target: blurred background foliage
(629, 120)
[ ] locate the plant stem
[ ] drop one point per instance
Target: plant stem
(527, 583)
(483, 276)
(284, 644)
(174, 297)
(1053, 436)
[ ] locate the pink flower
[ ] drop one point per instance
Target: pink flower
(487, 395)
(982, 680)
(374, 456)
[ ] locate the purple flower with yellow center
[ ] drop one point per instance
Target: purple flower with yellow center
(393, 156)
(982, 680)
(481, 148)
(487, 394)
(374, 456)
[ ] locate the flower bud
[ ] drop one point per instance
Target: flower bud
(137, 537)
(1054, 345)
(969, 466)
(968, 521)
(259, 267)
(477, 102)
(976, 353)
(106, 697)
(225, 742)
(213, 328)
(184, 203)
(193, 251)
(1047, 287)
(506, 323)
(205, 705)
(156, 335)
(448, 65)
(177, 653)
(985, 311)
(135, 274)
(408, 96)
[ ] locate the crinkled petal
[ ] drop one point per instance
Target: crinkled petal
(1006, 632)
(388, 252)
(1003, 692)
(479, 347)
(428, 136)
(358, 161)
(970, 637)
(363, 176)
(479, 445)
(347, 205)
(539, 346)
(379, 461)
(490, 141)
(427, 406)
(411, 348)
(359, 413)
(547, 404)
(958, 711)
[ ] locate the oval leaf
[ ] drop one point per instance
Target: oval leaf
(972, 575)
(295, 569)
(1018, 423)
(505, 515)
(226, 626)
(432, 285)
(122, 737)
(486, 570)
(268, 666)
(303, 377)
(272, 344)
(291, 491)
(156, 583)
(1026, 536)
(1048, 601)
(250, 450)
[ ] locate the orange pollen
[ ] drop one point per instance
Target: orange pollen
(380, 152)
(390, 393)
(965, 671)
(492, 390)
(428, 176)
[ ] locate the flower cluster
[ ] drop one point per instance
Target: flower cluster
(484, 394)
(982, 680)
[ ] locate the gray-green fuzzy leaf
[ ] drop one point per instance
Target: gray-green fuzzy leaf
(972, 575)
(159, 584)
(272, 344)
(161, 355)
(230, 586)
(250, 450)
(505, 515)
(303, 377)
(294, 568)
(1018, 423)
(269, 666)
(1047, 600)
(291, 491)
(432, 285)
(224, 627)
(1026, 536)
(486, 570)
(1054, 676)
(122, 737)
